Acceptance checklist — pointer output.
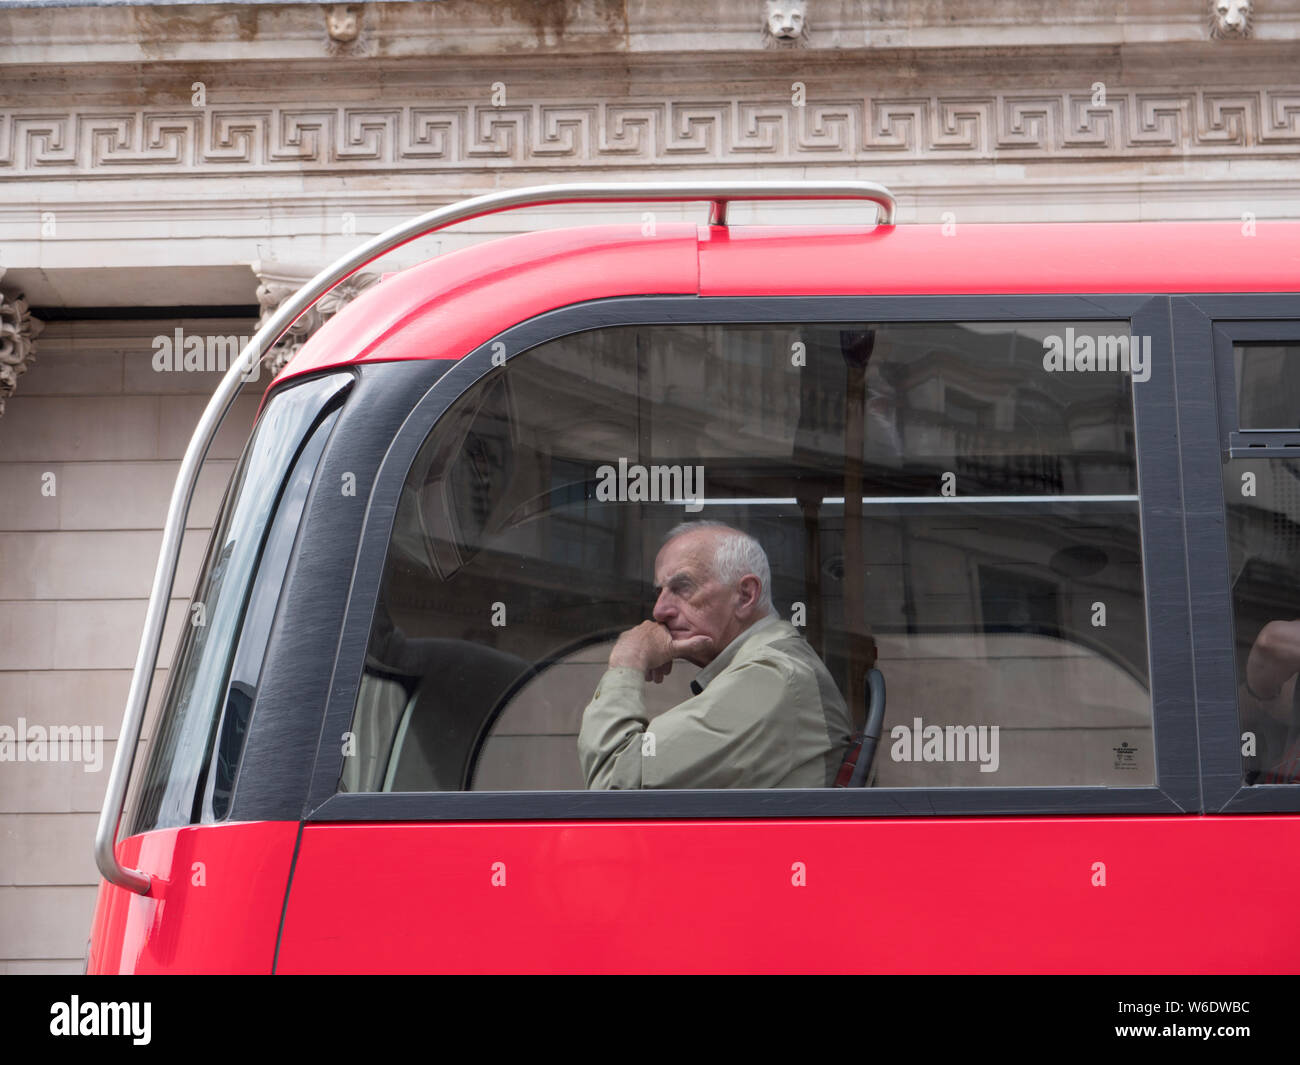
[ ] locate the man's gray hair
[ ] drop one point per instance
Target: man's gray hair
(736, 555)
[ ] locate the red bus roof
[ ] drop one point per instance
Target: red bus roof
(448, 306)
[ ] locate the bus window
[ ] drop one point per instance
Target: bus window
(988, 561)
(1262, 498)
(212, 684)
(1267, 377)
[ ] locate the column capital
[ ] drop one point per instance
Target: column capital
(278, 281)
(18, 333)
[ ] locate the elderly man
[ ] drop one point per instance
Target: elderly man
(766, 713)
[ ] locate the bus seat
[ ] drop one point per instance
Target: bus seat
(856, 766)
(460, 684)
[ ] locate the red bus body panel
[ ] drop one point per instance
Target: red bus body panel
(1156, 257)
(214, 907)
(448, 306)
(906, 895)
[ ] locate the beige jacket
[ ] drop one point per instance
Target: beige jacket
(766, 714)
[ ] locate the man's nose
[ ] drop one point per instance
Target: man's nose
(664, 609)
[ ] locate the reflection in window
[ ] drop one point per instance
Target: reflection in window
(993, 562)
(1268, 385)
(1263, 512)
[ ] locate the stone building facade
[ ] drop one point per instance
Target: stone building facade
(172, 168)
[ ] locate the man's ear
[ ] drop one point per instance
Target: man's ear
(748, 591)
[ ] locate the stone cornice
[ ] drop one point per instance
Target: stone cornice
(461, 28)
(27, 78)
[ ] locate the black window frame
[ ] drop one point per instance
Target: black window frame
(1206, 329)
(1177, 789)
(284, 730)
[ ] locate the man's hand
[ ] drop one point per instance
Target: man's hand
(651, 648)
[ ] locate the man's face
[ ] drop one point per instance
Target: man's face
(692, 602)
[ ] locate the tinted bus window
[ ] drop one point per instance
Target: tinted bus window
(1268, 385)
(992, 562)
(1262, 497)
(204, 712)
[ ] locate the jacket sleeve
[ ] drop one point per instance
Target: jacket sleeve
(738, 732)
(610, 739)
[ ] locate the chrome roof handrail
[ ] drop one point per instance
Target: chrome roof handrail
(718, 193)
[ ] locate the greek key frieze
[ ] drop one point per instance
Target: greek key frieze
(977, 126)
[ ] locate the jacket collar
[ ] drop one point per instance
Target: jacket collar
(728, 655)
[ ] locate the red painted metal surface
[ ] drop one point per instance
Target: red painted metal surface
(1182, 895)
(1059, 257)
(448, 306)
(227, 923)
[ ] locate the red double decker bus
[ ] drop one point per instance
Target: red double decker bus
(1030, 492)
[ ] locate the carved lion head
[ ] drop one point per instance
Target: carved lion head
(1230, 19)
(785, 23)
(343, 23)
